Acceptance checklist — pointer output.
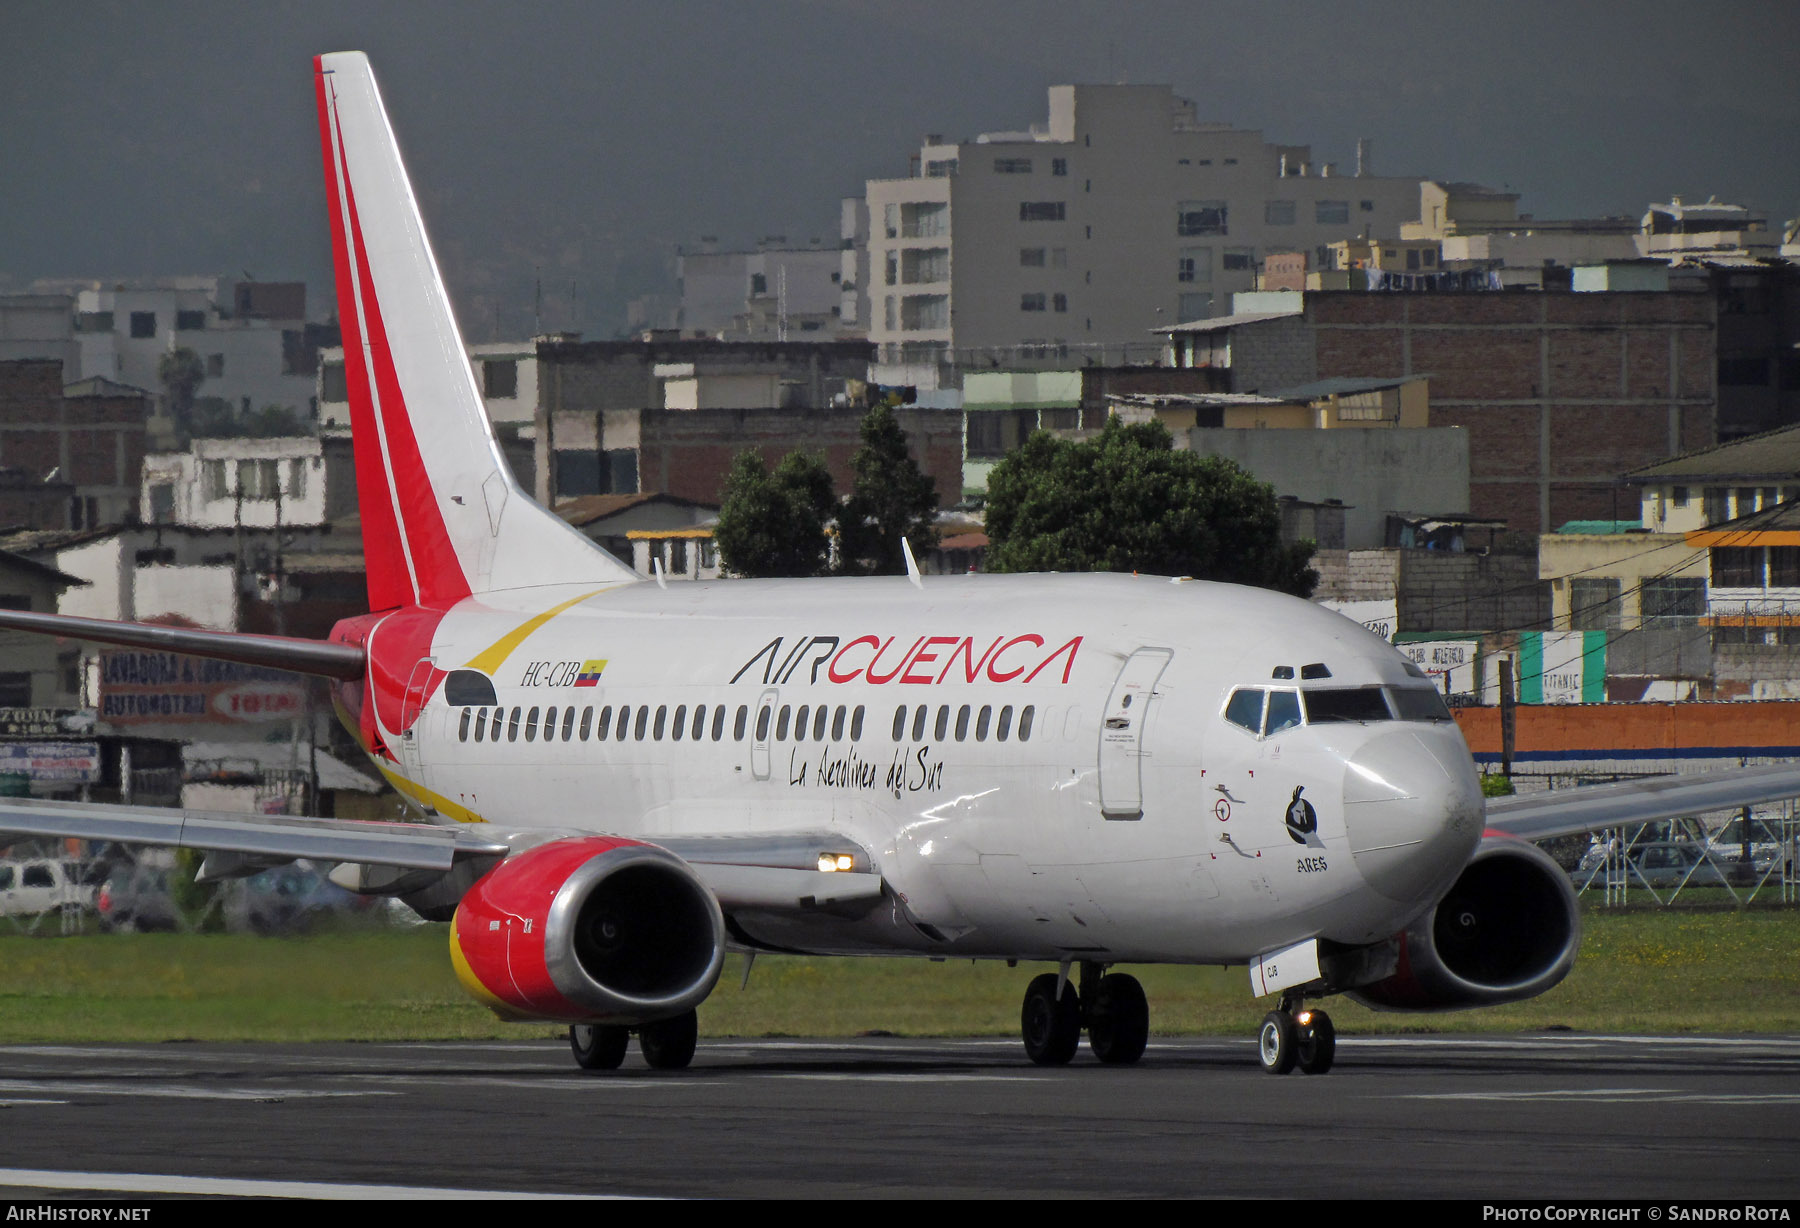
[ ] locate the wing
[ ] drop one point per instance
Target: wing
(1562, 812)
(272, 838)
(782, 872)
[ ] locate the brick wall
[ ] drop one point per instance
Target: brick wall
(689, 452)
(1561, 393)
(1441, 591)
(1274, 354)
(96, 441)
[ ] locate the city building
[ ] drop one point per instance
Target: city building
(774, 293)
(71, 454)
(1067, 243)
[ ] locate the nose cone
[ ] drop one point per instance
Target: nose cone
(1412, 810)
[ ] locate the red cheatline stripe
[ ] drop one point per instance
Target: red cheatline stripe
(434, 560)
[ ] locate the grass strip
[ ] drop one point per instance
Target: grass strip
(1639, 971)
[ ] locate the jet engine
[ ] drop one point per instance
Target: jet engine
(590, 929)
(1507, 930)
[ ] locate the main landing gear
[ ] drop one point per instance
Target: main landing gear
(1292, 1035)
(1109, 1006)
(667, 1044)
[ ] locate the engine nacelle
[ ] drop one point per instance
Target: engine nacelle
(1507, 930)
(589, 930)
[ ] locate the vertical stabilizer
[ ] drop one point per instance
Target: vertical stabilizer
(442, 516)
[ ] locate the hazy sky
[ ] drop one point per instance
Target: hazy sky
(591, 139)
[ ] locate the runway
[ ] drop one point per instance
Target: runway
(1556, 1116)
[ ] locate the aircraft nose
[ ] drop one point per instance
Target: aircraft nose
(1412, 811)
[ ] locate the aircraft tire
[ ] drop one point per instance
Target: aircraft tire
(1278, 1042)
(1118, 1022)
(668, 1044)
(599, 1047)
(1318, 1044)
(1051, 1026)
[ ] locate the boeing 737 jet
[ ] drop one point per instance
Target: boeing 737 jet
(624, 780)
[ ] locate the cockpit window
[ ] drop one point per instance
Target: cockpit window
(1418, 704)
(1284, 711)
(1245, 709)
(1363, 703)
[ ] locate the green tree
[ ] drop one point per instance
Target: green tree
(1127, 501)
(181, 373)
(890, 500)
(774, 524)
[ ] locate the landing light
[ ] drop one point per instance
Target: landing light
(1303, 1018)
(830, 863)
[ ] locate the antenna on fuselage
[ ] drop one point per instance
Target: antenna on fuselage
(912, 565)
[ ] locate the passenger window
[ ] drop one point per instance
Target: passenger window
(856, 719)
(549, 724)
(899, 722)
(680, 723)
(531, 719)
(820, 714)
(643, 718)
(699, 722)
(1284, 711)
(604, 725)
(837, 723)
(587, 723)
(781, 723)
(919, 723)
(494, 725)
(1025, 722)
(623, 730)
(662, 718)
(512, 726)
(1005, 726)
(981, 723)
(942, 728)
(962, 723)
(462, 730)
(762, 723)
(800, 724)
(719, 723)
(1245, 709)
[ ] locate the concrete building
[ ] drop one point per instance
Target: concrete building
(1559, 392)
(84, 441)
(1069, 242)
(634, 526)
(40, 326)
(1674, 230)
(252, 337)
(226, 483)
(774, 293)
(506, 372)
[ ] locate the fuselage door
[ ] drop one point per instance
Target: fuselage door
(762, 732)
(1122, 733)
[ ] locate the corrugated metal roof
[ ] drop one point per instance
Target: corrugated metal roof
(1771, 455)
(586, 509)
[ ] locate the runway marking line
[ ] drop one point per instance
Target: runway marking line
(174, 1092)
(238, 1187)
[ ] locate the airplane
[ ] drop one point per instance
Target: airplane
(623, 780)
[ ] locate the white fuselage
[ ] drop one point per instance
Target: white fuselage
(1043, 766)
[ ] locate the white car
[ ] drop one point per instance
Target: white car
(42, 885)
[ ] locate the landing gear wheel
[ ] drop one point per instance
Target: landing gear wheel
(668, 1044)
(598, 1047)
(1118, 1022)
(1318, 1043)
(1051, 1026)
(1278, 1043)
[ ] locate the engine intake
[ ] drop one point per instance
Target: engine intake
(589, 930)
(1507, 930)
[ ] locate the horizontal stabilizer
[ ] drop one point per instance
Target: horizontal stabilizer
(320, 657)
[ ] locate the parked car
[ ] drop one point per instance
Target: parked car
(42, 885)
(137, 897)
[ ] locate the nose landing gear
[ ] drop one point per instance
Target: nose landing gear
(1110, 1006)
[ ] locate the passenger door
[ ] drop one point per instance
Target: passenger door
(1122, 733)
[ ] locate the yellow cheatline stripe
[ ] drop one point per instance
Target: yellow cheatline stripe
(425, 797)
(472, 984)
(489, 659)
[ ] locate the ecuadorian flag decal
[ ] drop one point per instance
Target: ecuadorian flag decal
(590, 673)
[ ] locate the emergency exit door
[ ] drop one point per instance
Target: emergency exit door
(1122, 733)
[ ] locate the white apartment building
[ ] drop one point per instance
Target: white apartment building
(231, 483)
(506, 372)
(1070, 242)
(775, 293)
